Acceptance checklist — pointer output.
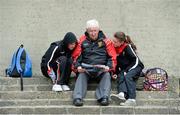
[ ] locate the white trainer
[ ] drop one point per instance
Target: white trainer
(129, 102)
(57, 87)
(121, 96)
(118, 98)
(65, 87)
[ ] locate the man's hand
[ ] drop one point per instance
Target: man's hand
(80, 69)
(106, 68)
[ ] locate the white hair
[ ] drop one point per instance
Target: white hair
(92, 23)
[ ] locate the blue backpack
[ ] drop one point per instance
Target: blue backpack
(21, 65)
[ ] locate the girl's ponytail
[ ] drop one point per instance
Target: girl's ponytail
(129, 41)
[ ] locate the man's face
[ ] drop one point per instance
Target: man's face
(93, 32)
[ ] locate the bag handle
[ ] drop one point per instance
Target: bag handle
(160, 89)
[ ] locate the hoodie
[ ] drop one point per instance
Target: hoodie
(57, 49)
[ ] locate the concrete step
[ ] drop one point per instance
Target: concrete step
(45, 87)
(66, 102)
(26, 81)
(35, 80)
(44, 84)
(40, 87)
(40, 83)
(37, 98)
(95, 109)
(68, 95)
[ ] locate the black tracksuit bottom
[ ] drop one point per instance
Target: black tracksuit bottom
(62, 69)
(127, 83)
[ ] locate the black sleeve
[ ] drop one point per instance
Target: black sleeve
(78, 62)
(131, 55)
(51, 54)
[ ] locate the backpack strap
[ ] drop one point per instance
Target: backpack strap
(28, 66)
(18, 65)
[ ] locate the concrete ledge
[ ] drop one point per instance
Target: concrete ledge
(91, 102)
(90, 110)
(41, 83)
(174, 85)
(68, 95)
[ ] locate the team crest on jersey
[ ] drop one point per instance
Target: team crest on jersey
(100, 44)
(85, 45)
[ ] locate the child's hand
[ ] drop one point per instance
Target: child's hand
(114, 76)
(52, 75)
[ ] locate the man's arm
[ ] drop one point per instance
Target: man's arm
(112, 62)
(76, 56)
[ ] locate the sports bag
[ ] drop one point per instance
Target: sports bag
(156, 79)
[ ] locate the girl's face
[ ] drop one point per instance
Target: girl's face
(117, 43)
(71, 46)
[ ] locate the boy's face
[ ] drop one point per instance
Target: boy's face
(71, 46)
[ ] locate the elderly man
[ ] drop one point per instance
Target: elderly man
(93, 50)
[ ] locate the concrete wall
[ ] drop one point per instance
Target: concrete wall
(154, 26)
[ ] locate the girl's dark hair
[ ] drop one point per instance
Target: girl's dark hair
(122, 37)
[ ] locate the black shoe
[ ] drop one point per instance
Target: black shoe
(78, 102)
(104, 101)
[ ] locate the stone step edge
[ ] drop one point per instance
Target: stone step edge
(85, 99)
(91, 106)
(72, 91)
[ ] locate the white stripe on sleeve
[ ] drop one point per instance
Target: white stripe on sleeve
(51, 57)
(137, 59)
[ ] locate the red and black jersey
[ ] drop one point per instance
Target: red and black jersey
(100, 51)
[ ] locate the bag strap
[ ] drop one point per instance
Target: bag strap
(21, 82)
(21, 71)
(151, 84)
(18, 65)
